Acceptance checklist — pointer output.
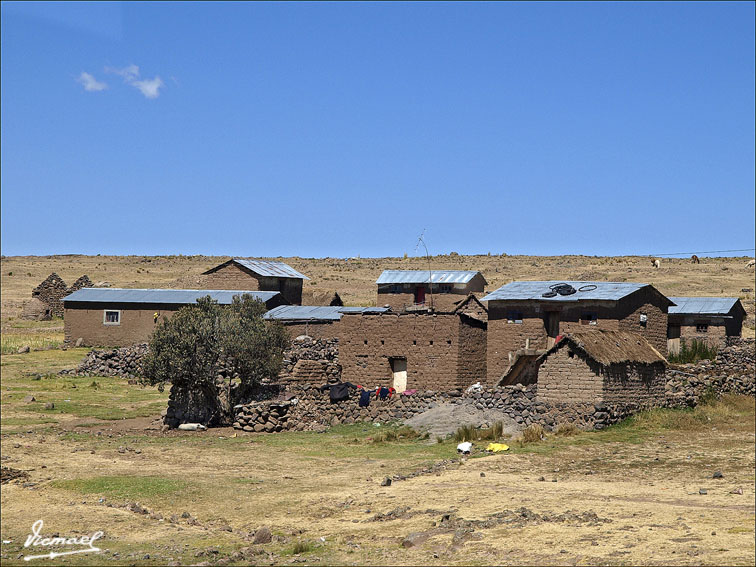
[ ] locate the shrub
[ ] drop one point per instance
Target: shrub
(302, 546)
(692, 351)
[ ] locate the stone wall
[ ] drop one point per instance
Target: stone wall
(311, 361)
(51, 291)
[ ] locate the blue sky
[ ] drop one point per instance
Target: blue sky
(335, 129)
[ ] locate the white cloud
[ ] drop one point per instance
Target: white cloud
(129, 73)
(149, 87)
(90, 83)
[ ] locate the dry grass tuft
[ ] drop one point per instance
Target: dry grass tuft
(566, 429)
(532, 433)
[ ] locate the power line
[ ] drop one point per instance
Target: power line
(704, 252)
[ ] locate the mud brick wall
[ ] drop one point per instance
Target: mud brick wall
(472, 351)
(715, 335)
(317, 330)
(233, 276)
(439, 356)
(442, 302)
(505, 338)
(84, 321)
(569, 377)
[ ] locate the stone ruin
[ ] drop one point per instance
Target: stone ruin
(46, 297)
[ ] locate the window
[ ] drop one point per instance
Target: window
(383, 342)
(365, 341)
(702, 327)
(430, 343)
(111, 317)
(395, 288)
(445, 288)
(589, 319)
(414, 342)
(514, 317)
(643, 320)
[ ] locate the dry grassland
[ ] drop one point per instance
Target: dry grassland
(354, 279)
(627, 495)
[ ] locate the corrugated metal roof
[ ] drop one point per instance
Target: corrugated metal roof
(610, 291)
(172, 296)
(702, 305)
(421, 276)
(316, 312)
(271, 268)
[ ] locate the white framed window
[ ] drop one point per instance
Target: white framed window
(445, 288)
(589, 319)
(111, 317)
(702, 327)
(514, 317)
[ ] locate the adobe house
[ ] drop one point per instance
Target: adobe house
(405, 290)
(256, 275)
(318, 322)
(116, 317)
(530, 315)
(424, 351)
(707, 319)
(614, 367)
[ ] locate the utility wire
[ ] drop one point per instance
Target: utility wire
(704, 252)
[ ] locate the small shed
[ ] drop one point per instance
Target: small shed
(257, 275)
(121, 317)
(707, 319)
(440, 290)
(601, 366)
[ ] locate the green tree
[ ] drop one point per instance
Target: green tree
(215, 354)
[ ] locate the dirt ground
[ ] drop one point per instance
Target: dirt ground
(642, 493)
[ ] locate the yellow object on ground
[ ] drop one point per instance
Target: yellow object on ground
(496, 447)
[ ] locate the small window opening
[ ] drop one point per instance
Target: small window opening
(589, 319)
(643, 320)
(365, 341)
(514, 317)
(383, 342)
(414, 342)
(430, 343)
(702, 328)
(448, 342)
(446, 288)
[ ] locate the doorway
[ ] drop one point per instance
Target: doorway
(420, 295)
(399, 374)
(552, 327)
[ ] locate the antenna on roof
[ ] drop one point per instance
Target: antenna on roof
(430, 273)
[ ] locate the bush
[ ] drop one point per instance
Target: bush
(692, 351)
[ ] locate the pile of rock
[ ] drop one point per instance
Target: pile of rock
(311, 361)
(268, 416)
(124, 362)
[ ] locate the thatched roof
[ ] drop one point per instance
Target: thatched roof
(611, 347)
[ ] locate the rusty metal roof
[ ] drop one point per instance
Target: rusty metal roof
(165, 296)
(702, 305)
(592, 291)
(271, 268)
(316, 312)
(422, 276)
